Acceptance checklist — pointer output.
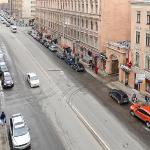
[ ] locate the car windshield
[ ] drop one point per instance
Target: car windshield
(34, 78)
(3, 67)
(7, 78)
(21, 130)
(125, 96)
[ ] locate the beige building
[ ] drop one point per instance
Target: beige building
(140, 45)
(23, 9)
(85, 25)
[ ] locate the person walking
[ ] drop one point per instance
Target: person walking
(134, 98)
(3, 118)
(147, 100)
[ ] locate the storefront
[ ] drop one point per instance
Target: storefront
(124, 74)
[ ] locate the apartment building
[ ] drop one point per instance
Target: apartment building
(23, 10)
(85, 25)
(140, 46)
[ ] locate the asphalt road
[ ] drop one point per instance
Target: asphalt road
(53, 125)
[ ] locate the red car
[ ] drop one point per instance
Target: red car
(142, 112)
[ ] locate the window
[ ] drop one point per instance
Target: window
(147, 39)
(144, 112)
(82, 23)
(86, 8)
(86, 23)
(82, 7)
(96, 26)
(137, 37)
(148, 17)
(147, 62)
(138, 17)
(91, 25)
(137, 59)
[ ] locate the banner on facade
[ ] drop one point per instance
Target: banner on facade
(140, 77)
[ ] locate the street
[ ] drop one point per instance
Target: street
(49, 109)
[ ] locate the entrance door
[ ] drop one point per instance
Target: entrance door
(115, 68)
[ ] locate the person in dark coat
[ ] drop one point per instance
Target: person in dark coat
(147, 99)
(3, 118)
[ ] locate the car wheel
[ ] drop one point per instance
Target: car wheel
(132, 113)
(148, 124)
(118, 101)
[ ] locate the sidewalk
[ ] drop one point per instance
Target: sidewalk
(110, 82)
(4, 144)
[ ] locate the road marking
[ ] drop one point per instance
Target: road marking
(147, 129)
(90, 128)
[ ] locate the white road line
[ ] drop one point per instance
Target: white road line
(90, 128)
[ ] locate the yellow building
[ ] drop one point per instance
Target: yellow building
(140, 45)
(85, 25)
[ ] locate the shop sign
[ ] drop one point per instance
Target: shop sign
(140, 77)
(125, 68)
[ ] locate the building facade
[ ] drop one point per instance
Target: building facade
(85, 25)
(23, 9)
(140, 45)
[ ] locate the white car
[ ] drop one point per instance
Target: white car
(19, 132)
(33, 80)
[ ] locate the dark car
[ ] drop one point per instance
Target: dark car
(7, 24)
(46, 44)
(43, 40)
(53, 48)
(119, 96)
(29, 32)
(78, 67)
(61, 55)
(7, 81)
(69, 60)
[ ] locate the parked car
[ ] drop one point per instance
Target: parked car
(13, 29)
(29, 32)
(46, 44)
(53, 48)
(1, 57)
(7, 81)
(19, 132)
(43, 40)
(33, 80)
(78, 67)
(142, 112)
(119, 96)
(69, 60)
(33, 34)
(7, 24)
(61, 55)
(37, 37)
(3, 67)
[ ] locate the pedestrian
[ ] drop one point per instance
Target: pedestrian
(96, 69)
(134, 98)
(3, 118)
(147, 99)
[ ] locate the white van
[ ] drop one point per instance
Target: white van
(13, 29)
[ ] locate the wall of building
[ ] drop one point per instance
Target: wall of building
(115, 21)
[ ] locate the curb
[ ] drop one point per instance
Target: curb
(90, 129)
